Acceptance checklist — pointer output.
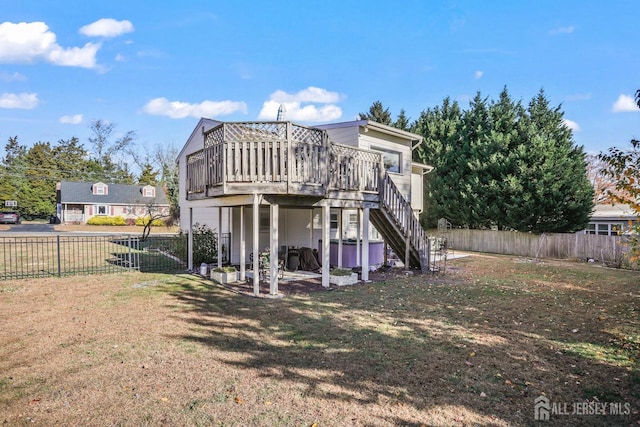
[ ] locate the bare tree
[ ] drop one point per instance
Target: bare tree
(153, 214)
(603, 184)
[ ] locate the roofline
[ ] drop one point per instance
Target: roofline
(366, 124)
(426, 168)
(196, 129)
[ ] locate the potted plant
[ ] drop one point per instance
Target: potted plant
(343, 277)
(224, 274)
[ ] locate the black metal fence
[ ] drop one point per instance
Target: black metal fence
(46, 256)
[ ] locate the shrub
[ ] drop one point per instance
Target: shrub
(106, 220)
(131, 221)
(144, 220)
(226, 269)
(205, 245)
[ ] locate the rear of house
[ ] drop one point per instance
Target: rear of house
(341, 190)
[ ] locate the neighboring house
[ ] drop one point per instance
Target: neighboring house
(283, 186)
(611, 220)
(79, 201)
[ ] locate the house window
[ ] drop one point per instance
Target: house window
(100, 189)
(333, 221)
(392, 160)
(148, 191)
(102, 210)
(353, 222)
(603, 229)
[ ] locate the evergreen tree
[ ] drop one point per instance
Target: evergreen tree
(70, 160)
(500, 165)
(557, 195)
(38, 191)
(402, 122)
(377, 113)
(148, 176)
(12, 168)
(440, 128)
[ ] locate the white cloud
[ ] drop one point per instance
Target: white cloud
(574, 126)
(15, 77)
(24, 101)
(120, 58)
(625, 103)
(27, 42)
(293, 103)
(310, 94)
(478, 74)
(107, 27)
(180, 110)
(563, 30)
(72, 120)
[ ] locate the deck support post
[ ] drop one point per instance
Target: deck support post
(311, 228)
(190, 241)
(273, 256)
(407, 250)
(340, 227)
(256, 243)
(358, 234)
(243, 246)
(326, 245)
(218, 236)
(365, 245)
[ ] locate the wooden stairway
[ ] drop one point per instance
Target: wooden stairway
(400, 227)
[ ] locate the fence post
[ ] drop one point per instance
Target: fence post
(58, 244)
(129, 242)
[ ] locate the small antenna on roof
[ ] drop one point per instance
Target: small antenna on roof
(282, 112)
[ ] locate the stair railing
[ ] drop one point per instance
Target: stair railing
(394, 203)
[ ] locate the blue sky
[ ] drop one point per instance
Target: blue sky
(157, 67)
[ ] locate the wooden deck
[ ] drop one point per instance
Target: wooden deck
(282, 159)
(279, 158)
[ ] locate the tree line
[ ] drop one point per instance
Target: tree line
(28, 175)
(499, 164)
(502, 164)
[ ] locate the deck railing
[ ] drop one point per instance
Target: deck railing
(281, 153)
(392, 200)
(354, 169)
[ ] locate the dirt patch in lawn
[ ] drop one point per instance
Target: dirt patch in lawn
(476, 346)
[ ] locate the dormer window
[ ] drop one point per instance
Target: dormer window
(148, 191)
(100, 189)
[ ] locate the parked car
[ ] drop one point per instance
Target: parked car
(9, 217)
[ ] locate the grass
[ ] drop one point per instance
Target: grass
(473, 347)
(42, 256)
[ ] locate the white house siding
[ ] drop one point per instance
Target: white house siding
(297, 227)
(344, 135)
(193, 144)
(209, 216)
(417, 202)
(370, 141)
